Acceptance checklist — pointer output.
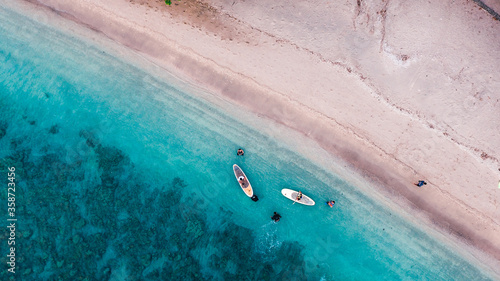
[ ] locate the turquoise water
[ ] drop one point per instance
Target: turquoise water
(121, 176)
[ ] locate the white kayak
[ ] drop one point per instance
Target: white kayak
(243, 180)
(292, 195)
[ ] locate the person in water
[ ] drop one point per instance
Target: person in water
(240, 152)
(420, 183)
(330, 203)
(276, 217)
(299, 195)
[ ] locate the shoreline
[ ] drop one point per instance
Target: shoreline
(349, 141)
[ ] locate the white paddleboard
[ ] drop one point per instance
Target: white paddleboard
(292, 195)
(245, 184)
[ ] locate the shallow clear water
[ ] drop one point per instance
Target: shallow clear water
(121, 176)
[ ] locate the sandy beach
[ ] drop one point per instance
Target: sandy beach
(398, 91)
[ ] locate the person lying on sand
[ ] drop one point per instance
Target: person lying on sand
(420, 183)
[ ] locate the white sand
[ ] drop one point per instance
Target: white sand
(400, 90)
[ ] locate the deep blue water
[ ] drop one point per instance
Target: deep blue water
(122, 176)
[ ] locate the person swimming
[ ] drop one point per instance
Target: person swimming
(276, 217)
(240, 152)
(330, 203)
